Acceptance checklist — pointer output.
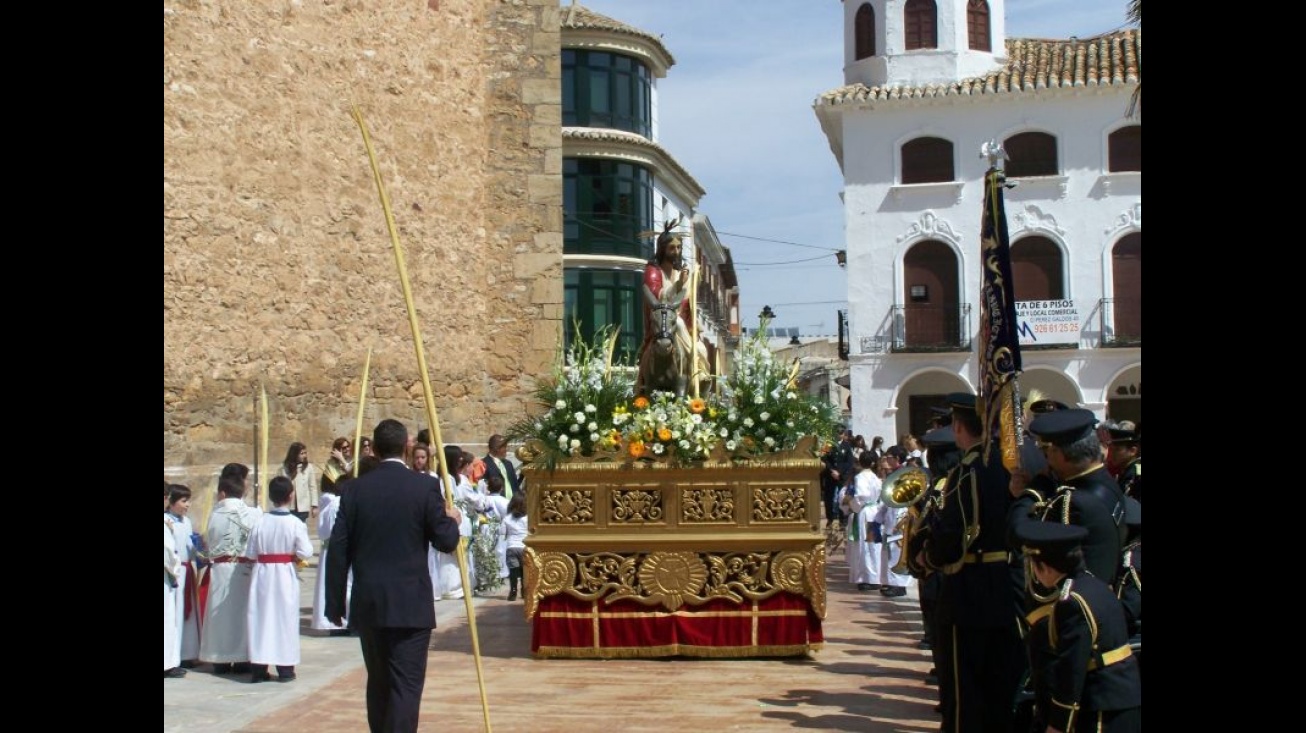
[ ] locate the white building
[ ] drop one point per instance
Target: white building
(927, 83)
(619, 184)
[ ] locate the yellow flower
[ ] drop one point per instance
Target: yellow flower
(641, 403)
(648, 435)
(636, 448)
(697, 405)
(664, 433)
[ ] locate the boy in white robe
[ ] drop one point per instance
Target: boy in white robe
(893, 584)
(226, 626)
(450, 585)
(188, 622)
(277, 544)
(171, 571)
(328, 504)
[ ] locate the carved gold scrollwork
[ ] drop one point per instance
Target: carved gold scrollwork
(674, 579)
(708, 505)
(637, 505)
(779, 503)
(546, 574)
(816, 580)
(567, 507)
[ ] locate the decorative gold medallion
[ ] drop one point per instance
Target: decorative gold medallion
(636, 505)
(668, 577)
(780, 504)
(567, 507)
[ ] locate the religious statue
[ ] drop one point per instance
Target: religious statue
(665, 362)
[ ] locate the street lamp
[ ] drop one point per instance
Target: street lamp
(767, 314)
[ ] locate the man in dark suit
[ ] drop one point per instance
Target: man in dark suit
(385, 523)
(498, 464)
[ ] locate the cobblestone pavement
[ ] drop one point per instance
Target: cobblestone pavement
(868, 677)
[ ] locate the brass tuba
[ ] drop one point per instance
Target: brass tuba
(904, 488)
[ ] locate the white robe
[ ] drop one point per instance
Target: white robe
(446, 578)
(226, 635)
(171, 569)
(188, 627)
(496, 505)
(863, 555)
(274, 589)
(891, 553)
(327, 507)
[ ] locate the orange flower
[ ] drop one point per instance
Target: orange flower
(664, 434)
(697, 405)
(641, 403)
(636, 448)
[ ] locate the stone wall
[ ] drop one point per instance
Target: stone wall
(277, 263)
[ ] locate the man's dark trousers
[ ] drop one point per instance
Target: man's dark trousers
(396, 674)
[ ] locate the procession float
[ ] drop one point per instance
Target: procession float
(675, 516)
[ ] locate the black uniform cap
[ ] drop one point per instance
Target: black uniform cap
(1049, 541)
(1063, 427)
(1125, 433)
(1039, 407)
(940, 436)
(961, 401)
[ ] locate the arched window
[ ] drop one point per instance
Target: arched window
(921, 24)
(1127, 291)
(864, 32)
(1036, 272)
(1125, 149)
(977, 25)
(1031, 154)
(927, 160)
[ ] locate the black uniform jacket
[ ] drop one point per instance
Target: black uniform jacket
(1080, 661)
(1131, 479)
(1092, 500)
(981, 583)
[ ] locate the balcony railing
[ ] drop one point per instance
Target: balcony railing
(1121, 322)
(930, 328)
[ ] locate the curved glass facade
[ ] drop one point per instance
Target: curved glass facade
(606, 204)
(601, 89)
(598, 298)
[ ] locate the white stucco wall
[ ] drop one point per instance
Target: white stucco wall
(894, 65)
(1085, 211)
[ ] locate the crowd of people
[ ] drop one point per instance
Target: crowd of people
(232, 593)
(1030, 580)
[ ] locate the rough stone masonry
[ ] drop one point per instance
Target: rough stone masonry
(277, 263)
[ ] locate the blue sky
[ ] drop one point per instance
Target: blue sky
(736, 111)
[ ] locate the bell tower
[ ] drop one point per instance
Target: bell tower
(922, 42)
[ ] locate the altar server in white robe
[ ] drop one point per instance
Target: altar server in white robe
(226, 634)
(862, 549)
(327, 506)
(188, 621)
(171, 571)
(278, 543)
(893, 584)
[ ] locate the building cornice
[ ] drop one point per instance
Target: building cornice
(589, 142)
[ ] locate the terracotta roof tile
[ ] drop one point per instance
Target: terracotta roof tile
(1114, 59)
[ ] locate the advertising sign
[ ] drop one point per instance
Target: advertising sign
(1047, 322)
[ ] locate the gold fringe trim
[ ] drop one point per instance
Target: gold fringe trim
(671, 650)
(686, 614)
